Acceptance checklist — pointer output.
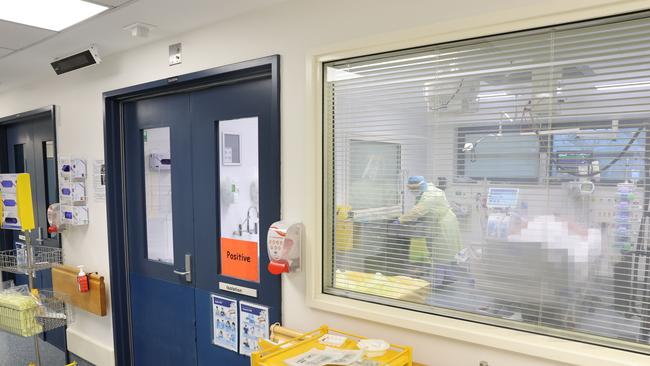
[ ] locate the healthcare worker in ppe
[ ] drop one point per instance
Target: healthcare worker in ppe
(433, 229)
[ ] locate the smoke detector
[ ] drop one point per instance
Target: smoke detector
(139, 30)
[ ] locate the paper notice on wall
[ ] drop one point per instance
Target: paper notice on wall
(224, 322)
(99, 180)
(253, 325)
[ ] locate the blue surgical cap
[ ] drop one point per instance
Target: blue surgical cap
(417, 182)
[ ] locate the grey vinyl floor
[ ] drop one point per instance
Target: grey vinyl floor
(19, 351)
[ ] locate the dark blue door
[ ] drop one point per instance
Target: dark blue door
(31, 149)
(174, 178)
(215, 112)
(160, 229)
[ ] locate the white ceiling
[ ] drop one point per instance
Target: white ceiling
(26, 52)
(15, 36)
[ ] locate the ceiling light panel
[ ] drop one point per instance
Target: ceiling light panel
(54, 15)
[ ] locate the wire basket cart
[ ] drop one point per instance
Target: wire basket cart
(30, 312)
(53, 311)
(18, 314)
(24, 261)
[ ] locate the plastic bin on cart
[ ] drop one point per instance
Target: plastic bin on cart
(274, 355)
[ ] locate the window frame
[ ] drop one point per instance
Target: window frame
(517, 341)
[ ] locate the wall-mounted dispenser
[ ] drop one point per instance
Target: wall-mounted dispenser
(72, 193)
(16, 210)
(284, 244)
(72, 209)
(160, 161)
(72, 169)
(229, 191)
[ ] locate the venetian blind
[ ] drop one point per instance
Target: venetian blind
(502, 180)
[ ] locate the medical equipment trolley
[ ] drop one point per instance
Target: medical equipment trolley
(275, 354)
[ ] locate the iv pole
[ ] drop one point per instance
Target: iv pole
(31, 273)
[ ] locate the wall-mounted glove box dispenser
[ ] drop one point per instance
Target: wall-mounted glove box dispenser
(72, 169)
(72, 193)
(16, 210)
(74, 215)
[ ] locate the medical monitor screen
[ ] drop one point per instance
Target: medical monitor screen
(502, 197)
(571, 161)
(615, 155)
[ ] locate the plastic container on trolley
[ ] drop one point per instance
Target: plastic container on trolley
(281, 354)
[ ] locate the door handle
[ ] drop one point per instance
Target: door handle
(188, 269)
(40, 238)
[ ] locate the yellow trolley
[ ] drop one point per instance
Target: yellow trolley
(275, 354)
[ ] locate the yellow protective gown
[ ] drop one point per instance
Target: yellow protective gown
(439, 223)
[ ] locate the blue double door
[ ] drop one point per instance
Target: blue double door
(31, 148)
(175, 175)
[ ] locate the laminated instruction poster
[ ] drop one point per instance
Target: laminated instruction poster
(224, 322)
(253, 325)
(99, 180)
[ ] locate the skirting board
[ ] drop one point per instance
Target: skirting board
(89, 350)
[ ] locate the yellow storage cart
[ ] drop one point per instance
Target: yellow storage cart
(276, 354)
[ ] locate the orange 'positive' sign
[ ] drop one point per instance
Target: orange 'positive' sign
(240, 259)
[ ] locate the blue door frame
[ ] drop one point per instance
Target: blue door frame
(114, 143)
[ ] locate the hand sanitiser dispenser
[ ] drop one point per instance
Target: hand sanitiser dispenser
(284, 244)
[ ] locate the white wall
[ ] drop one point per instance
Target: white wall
(294, 30)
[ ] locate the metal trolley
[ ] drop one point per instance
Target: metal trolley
(32, 312)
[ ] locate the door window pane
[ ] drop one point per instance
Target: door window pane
(19, 158)
(49, 162)
(158, 194)
(239, 198)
